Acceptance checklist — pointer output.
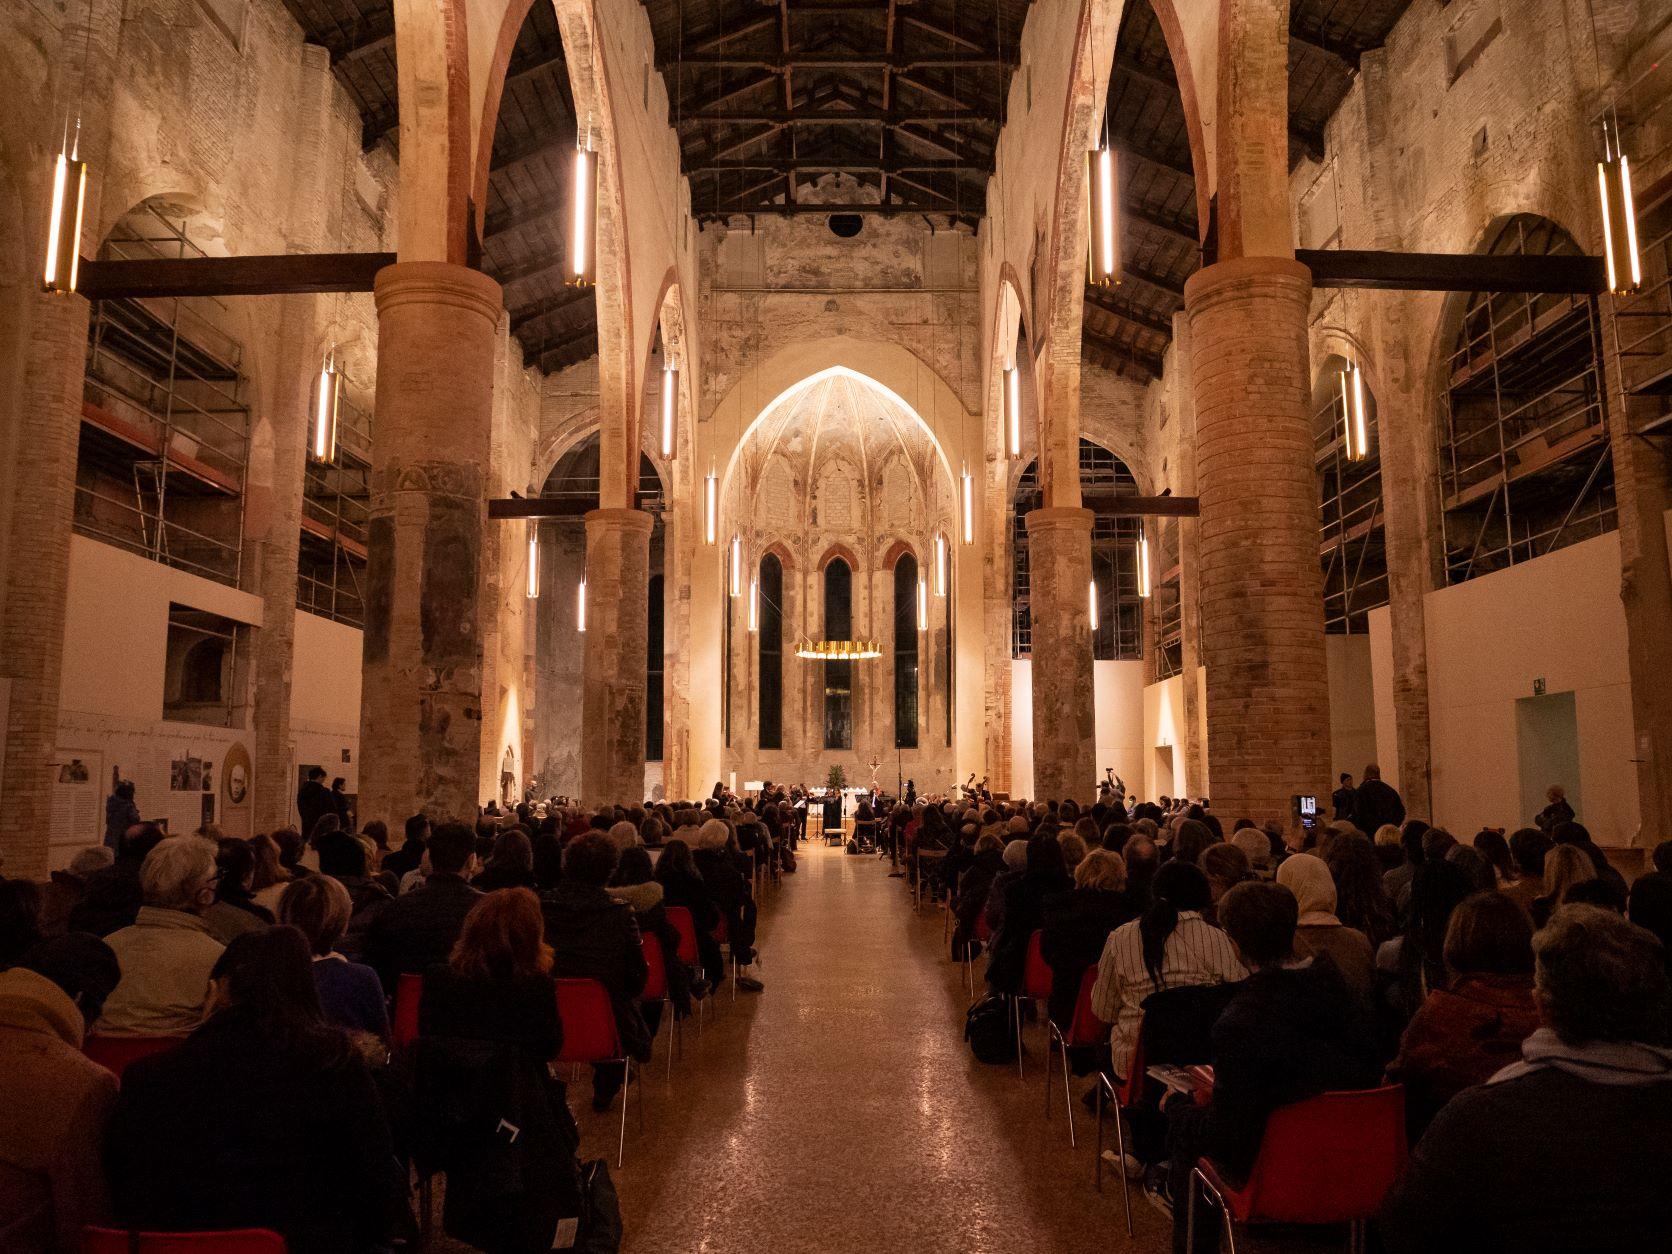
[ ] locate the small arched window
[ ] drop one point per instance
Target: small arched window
(201, 672)
(905, 652)
(770, 594)
(838, 676)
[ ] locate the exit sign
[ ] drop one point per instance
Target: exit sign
(1538, 686)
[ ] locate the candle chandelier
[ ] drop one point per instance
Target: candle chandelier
(838, 650)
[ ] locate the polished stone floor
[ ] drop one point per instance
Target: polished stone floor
(841, 1110)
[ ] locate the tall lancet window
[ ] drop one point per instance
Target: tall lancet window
(906, 630)
(838, 676)
(770, 594)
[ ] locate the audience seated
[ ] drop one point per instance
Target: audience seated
(1527, 848)
(234, 911)
(683, 888)
(1566, 1149)
(1465, 1031)
(1361, 898)
(975, 884)
(728, 885)
(1412, 963)
(510, 865)
(1076, 924)
(1292, 1030)
(1650, 907)
(418, 929)
(113, 896)
(264, 1117)
(54, 1101)
(411, 853)
(1023, 909)
(1320, 934)
(1169, 946)
(1226, 866)
(634, 882)
(167, 953)
(20, 919)
(350, 994)
(344, 859)
(594, 936)
(1564, 867)
(66, 887)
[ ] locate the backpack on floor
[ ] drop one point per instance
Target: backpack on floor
(990, 1030)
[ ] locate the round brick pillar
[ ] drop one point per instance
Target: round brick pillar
(421, 678)
(1064, 715)
(617, 639)
(1261, 591)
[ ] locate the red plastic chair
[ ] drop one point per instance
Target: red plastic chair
(409, 996)
(1330, 1159)
(722, 935)
(1036, 987)
(685, 925)
(1084, 1030)
(656, 984)
(590, 1036)
(983, 934)
(115, 1053)
(236, 1241)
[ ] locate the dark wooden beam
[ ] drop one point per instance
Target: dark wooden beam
(1116, 307)
(526, 315)
(1166, 282)
(1181, 231)
(1149, 363)
(534, 65)
(539, 145)
(853, 164)
(1120, 505)
(721, 38)
(843, 117)
(951, 36)
(514, 220)
(373, 37)
(505, 507)
(1346, 53)
(892, 209)
(1453, 272)
(283, 274)
(841, 61)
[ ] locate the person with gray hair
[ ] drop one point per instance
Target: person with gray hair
(1595, 1081)
(167, 953)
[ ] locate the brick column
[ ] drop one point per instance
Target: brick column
(617, 634)
(1195, 783)
(1261, 591)
(1064, 725)
(38, 575)
(420, 710)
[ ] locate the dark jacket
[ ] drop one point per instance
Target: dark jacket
(1341, 802)
(973, 886)
(689, 893)
(1541, 1164)
(595, 937)
(313, 802)
(406, 858)
(120, 814)
(1075, 927)
(274, 1138)
(111, 901)
(1459, 1037)
(495, 877)
(1376, 803)
(1287, 1035)
(367, 898)
(415, 932)
(1024, 911)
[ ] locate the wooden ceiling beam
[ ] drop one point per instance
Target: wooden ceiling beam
(840, 61)
(1348, 54)
(540, 310)
(552, 355)
(375, 37)
(849, 117)
(835, 165)
(1146, 362)
(1180, 231)
(1116, 307)
(942, 32)
(277, 275)
(864, 208)
(540, 145)
(721, 38)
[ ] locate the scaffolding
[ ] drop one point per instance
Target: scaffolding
(165, 432)
(1166, 561)
(1352, 531)
(1642, 325)
(1114, 559)
(1524, 458)
(336, 499)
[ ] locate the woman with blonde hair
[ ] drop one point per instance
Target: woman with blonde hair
(1565, 866)
(1077, 924)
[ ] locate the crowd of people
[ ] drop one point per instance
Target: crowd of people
(1515, 986)
(253, 984)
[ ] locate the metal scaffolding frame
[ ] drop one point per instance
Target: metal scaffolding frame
(1167, 561)
(336, 499)
(165, 433)
(1524, 459)
(1352, 530)
(1114, 559)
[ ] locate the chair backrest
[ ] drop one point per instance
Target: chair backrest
(237, 1241)
(409, 996)
(656, 983)
(983, 930)
(680, 918)
(588, 1018)
(1087, 1029)
(1036, 972)
(115, 1053)
(1177, 1027)
(1329, 1159)
(722, 933)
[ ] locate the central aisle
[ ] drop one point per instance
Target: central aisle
(840, 1109)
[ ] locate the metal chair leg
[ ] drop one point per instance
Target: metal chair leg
(1067, 1095)
(1050, 1047)
(626, 1091)
(1016, 1006)
(1120, 1149)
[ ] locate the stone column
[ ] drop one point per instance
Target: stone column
(1195, 783)
(38, 576)
(1064, 726)
(617, 627)
(1261, 590)
(421, 696)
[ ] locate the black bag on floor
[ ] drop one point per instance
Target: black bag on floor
(990, 1030)
(601, 1222)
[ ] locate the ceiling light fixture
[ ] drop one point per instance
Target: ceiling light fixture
(1103, 245)
(1013, 410)
(838, 650)
(63, 235)
(533, 560)
(581, 266)
(1355, 421)
(670, 405)
(1619, 215)
(322, 447)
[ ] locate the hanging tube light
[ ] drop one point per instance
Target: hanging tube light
(63, 235)
(711, 506)
(1355, 422)
(1143, 565)
(940, 564)
(1091, 602)
(1013, 411)
(580, 606)
(322, 447)
(533, 560)
(968, 504)
(1619, 215)
(1102, 218)
(581, 266)
(754, 604)
(736, 582)
(922, 604)
(670, 405)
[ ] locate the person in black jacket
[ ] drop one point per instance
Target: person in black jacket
(1376, 803)
(112, 897)
(121, 813)
(683, 888)
(414, 932)
(343, 858)
(595, 937)
(1292, 1030)
(1024, 908)
(411, 853)
(729, 887)
(273, 1110)
(1595, 1082)
(314, 801)
(488, 1026)
(975, 881)
(1076, 926)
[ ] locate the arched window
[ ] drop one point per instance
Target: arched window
(905, 652)
(202, 671)
(653, 675)
(1523, 437)
(770, 595)
(838, 676)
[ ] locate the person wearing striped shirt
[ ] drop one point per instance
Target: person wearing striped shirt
(1170, 946)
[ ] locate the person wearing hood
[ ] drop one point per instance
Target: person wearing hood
(1320, 933)
(1291, 1031)
(55, 1102)
(1595, 1081)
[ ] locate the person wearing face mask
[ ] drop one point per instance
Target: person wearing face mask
(167, 953)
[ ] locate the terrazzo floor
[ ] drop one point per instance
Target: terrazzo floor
(841, 1110)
